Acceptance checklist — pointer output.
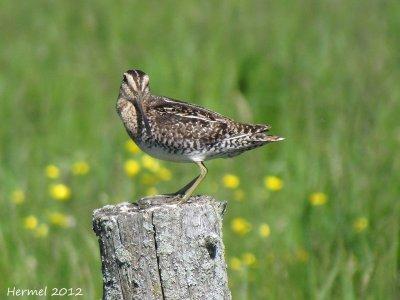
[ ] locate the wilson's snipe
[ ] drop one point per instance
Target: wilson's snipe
(174, 130)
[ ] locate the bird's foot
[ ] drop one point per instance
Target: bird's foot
(156, 200)
(183, 198)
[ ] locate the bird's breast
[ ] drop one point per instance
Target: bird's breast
(128, 115)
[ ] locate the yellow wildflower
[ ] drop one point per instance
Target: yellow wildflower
(151, 191)
(52, 171)
(249, 259)
(18, 196)
(150, 163)
(60, 192)
(273, 183)
(131, 167)
(318, 199)
(80, 168)
(59, 219)
(235, 264)
(264, 230)
(164, 174)
(42, 230)
(131, 147)
(240, 226)
(238, 195)
(360, 224)
(30, 222)
(231, 181)
(302, 255)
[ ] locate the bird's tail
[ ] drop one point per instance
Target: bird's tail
(259, 134)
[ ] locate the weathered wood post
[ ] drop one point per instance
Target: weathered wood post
(166, 251)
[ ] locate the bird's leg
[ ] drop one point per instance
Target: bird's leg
(184, 192)
(171, 196)
(166, 198)
(188, 189)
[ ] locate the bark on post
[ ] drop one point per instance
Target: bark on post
(167, 251)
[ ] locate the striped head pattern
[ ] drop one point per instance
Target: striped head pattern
(135, 82)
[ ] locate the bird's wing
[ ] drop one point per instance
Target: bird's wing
(187, 121)
(195, 122)
(187, 110)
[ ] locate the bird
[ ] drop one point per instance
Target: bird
(178, 131)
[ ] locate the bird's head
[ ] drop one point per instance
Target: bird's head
(134, 83)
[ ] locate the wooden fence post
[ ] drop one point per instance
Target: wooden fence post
(166, 251)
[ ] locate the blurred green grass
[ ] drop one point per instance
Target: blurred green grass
(324, 74)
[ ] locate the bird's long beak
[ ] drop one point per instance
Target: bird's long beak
(138, 101)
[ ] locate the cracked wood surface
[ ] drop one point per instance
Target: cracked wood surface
(167, 251)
